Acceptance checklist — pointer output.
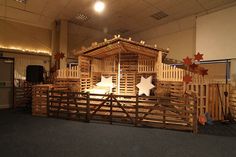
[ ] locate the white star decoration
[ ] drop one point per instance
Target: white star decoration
(106, 82)
(145, 86)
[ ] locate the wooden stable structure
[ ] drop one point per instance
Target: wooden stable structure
(172, 104)
(125, 60)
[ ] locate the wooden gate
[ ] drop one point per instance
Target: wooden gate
(135, 110)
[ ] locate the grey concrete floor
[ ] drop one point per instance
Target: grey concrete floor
(25, 135)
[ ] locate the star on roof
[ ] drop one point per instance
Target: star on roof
(145, 86)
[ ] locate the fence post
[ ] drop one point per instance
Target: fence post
(111, 96)
(195, 122)
(47, 103)
(164, 117)
(88, 107)
(136, 110)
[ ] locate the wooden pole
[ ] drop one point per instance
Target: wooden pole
(195, 122)
(88, 107)
(48, 103)
(136, 110)
(111, 97)
(118, 75)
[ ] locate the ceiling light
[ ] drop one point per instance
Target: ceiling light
(21, 1)
(99, 6)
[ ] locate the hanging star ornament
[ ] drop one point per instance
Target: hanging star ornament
(59, 56)
(187, 79)
(203, 71)
(193, 67)
(145, 86)
(106, 82)
(187, 61)
(198, 57)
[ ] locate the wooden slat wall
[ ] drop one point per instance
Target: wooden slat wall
(84, 64)
(208, 99)
(201, 91)
(233, 103)
(22, 96)
(96, 77)
(127, 84)
(218, 107)
(39, 99)
(110, 64)
(85, 83)
(146, 64)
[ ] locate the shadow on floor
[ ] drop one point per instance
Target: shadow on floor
(219, 129)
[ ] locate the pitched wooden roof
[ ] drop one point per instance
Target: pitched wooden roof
(116, 45)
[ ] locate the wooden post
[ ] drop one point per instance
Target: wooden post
(195, 128)
(48, 103)
(67, 104)
(136, 110)
(111, 97)
(159, 65)
(164, 117)
(88, 107)
(118, 75)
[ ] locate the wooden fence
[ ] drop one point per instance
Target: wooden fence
(22, 96)
(72, 72)
(233, 103)
(212, 98)
(135, 110)
(170, 73)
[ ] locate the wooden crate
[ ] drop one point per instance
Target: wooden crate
(22, 96)
(39, 99)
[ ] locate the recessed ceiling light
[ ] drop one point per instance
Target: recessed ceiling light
(21, 1)
(99, 6)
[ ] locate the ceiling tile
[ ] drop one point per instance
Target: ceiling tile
(36, 6)
(53, 9)
(2, 10)
(2, 2)
(21, 15)
(210, 4)
(15, 4)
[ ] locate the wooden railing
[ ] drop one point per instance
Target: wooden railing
(170, 73)
(22, 96)
(135, 110)
(72, 72)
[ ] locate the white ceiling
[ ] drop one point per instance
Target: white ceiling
(130, 15)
